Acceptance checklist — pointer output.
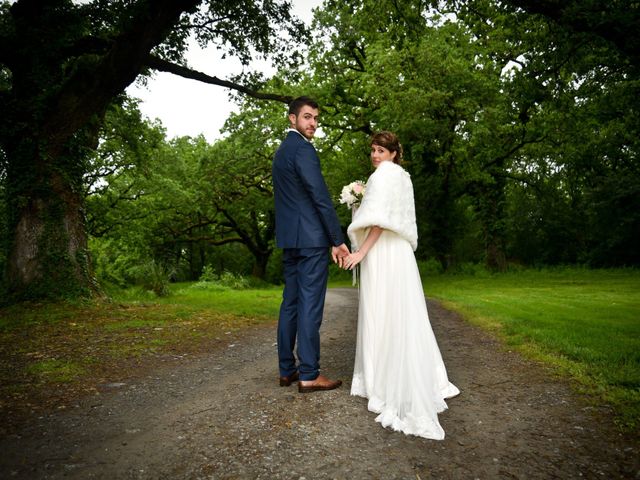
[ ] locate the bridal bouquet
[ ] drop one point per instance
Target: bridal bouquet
(352, 194)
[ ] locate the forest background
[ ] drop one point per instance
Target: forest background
(519, 121)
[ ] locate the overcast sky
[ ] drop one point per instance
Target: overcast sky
(189, 107)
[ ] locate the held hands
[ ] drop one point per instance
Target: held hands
(350, 261)
(339, 253)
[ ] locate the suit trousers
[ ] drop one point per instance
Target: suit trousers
(306, 271)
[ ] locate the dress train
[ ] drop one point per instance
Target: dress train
(398, 364)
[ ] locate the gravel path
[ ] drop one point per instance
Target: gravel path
(222, 416)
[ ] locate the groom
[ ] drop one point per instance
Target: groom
(306, 225)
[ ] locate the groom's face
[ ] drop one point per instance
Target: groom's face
(306, 121)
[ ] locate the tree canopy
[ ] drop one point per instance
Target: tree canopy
(519, 122)
(63, 65)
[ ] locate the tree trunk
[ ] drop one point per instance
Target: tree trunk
(260, 264)
(495, 257)
(48, 255)
(491, 209)
(49, 122)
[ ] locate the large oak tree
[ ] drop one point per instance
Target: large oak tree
(62, 64)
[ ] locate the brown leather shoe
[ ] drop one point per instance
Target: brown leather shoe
(286, 381)
(320, 383)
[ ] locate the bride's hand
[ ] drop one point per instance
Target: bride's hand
(352, 260)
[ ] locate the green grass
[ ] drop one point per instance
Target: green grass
(584, 323)
(190, 297)
(56, 371)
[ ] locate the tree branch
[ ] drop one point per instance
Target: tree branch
(165, 66)
(611, 21)
(88, 44)
(524, 180)
(216, 242)
(89, 89)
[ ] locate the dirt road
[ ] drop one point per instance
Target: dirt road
(222, 416)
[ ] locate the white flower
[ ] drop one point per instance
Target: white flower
(352, 194)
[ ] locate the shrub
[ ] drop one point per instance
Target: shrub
(154, 277)
(209, 280)
(208, 274)
(468, 268)
(430, 267)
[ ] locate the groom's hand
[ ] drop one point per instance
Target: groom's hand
(339, 253)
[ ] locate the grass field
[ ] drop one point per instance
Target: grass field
(584, 323)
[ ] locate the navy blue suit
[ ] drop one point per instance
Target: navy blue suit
(306, 225)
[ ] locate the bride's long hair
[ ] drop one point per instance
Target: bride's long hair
(388, 140)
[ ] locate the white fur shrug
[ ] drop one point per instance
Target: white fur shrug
(388, 203)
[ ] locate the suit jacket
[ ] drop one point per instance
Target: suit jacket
(305, 216)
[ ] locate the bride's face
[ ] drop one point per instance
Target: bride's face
(380, 154)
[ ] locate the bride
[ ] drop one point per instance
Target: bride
(398, 365)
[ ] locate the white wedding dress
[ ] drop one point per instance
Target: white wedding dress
(398, 365)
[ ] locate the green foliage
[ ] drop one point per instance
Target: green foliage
(472, 269)
(504, 147)
(185, 203)
(154, 277)
(337, 274)
(511, 124)
(428, 80)
(208, 274)
(4, 234)
(520, 133)
(430, 267)
(209, 280)
(56, 100)
(575, 95)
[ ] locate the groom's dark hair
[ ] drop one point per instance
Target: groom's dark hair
(296, 105)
